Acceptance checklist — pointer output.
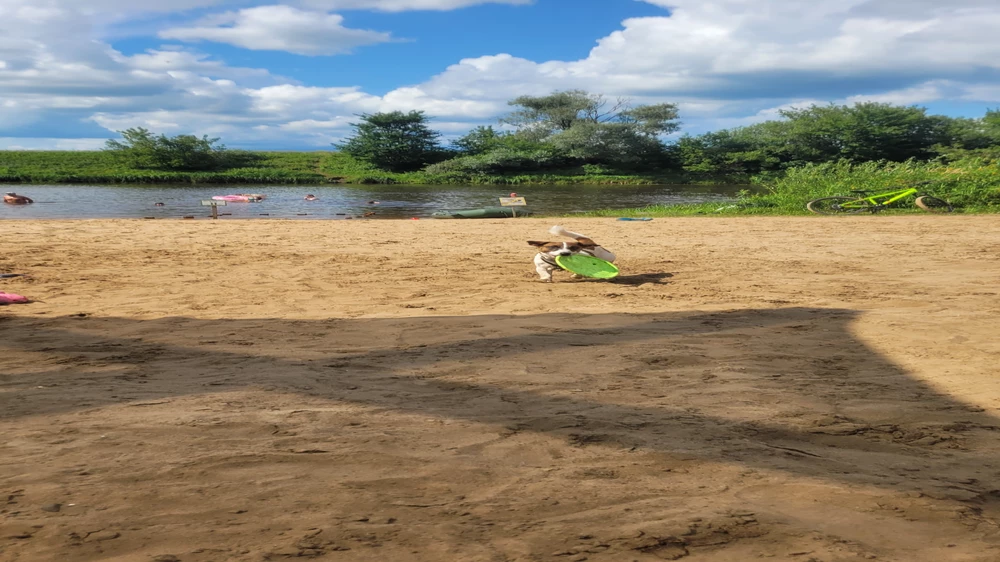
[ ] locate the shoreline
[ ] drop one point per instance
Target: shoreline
(469, 182)
(309, 168)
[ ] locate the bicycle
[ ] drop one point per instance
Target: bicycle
(875, 203)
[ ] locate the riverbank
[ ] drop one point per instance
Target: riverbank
(316, 168)
(971, 186)
(337, 201)
(407, 390)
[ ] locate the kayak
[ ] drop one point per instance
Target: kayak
(241, 197)
(484, 213)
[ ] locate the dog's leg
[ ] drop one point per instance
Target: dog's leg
(544, 270)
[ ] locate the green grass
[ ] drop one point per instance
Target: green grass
(972, 186)
(100, 167)
(350, 170)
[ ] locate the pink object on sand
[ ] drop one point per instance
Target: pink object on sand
(11, 298)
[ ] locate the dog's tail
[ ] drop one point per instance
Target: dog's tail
(560, 231)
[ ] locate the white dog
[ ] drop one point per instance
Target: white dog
(545, 259)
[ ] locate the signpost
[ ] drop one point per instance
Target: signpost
(214, 205)
(513, 202)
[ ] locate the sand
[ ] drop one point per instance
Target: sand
(809, 389)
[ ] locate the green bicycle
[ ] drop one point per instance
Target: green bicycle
(875, 203)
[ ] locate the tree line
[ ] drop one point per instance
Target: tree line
(547, 132)
(574, 128)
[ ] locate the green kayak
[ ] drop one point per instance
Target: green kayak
(484, 213)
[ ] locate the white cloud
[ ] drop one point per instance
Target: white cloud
(726, 62)
(921, 93)
(989, 93)
(315, 116)
(313, 126)
(279, 28)
(174, 60)
(412, 98)
(737, 48)
(403, 5)
(287, 99)
(22, 143)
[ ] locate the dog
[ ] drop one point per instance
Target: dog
(545, 259)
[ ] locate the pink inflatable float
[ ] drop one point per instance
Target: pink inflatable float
(240, 197)
(11, 298)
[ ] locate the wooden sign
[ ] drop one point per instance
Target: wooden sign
(512, 202)
(215, 206)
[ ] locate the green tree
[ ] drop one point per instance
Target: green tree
(974, 134)
(140, 148)
(860, 133)
(394, 141)
(651, 120)
(588, 127)
(479, 140)
(608, 143)
(749, 150)
(992, 121)
(543, 116)
(972, 138)
(863, 132)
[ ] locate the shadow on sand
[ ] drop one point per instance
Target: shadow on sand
(789, 389)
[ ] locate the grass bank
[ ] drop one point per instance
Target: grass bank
(64, 167)
(972, 186)
(99, 167)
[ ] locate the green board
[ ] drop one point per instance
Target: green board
(587, 266)
(484, 213)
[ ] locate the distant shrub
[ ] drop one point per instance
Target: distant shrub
(501, 161)
(142, 150)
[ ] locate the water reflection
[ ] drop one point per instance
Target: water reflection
(340, 202)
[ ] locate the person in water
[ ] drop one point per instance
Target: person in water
(15, 199)
(158, 205)
(310, 197)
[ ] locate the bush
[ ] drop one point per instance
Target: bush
(973, 183)
(394, 141)
(140, 149)
(503, 160)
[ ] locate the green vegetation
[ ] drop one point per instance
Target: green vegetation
(141, 150)
(866, 132)
(108, 167)
(972, 185)
(396, 142)
(565, 137)
(100, 167)
(574, 137)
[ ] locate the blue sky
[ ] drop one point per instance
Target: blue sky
(293, 74)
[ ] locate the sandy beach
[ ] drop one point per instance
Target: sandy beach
(820, 389)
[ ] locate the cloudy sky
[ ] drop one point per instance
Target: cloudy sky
(293, 74)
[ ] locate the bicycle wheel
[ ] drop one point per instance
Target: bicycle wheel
(932, 204)
(838, 205)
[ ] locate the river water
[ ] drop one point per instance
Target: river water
(339, 202)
